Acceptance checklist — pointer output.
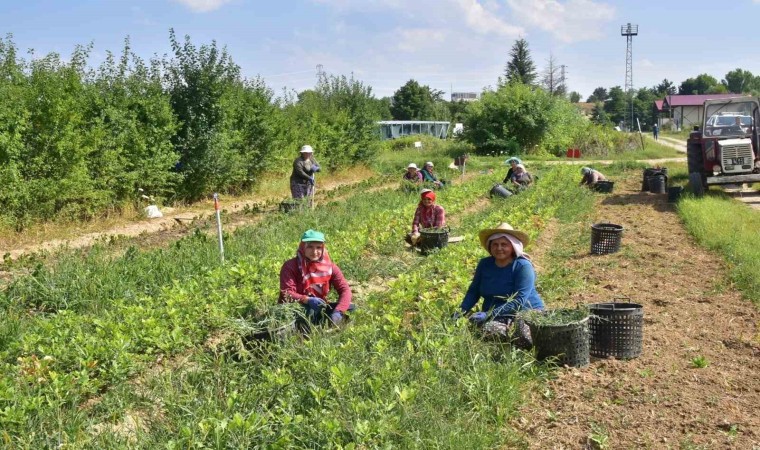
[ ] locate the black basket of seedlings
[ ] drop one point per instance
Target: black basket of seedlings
(616, 330)
(604, 187)
(561, 334)
(291, 205)
(433, 238)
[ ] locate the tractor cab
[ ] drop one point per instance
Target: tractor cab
(725, 150)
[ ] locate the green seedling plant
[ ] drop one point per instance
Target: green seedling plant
(699, 362)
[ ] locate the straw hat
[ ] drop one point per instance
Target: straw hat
(502, 228)
(411, 166)
(307, 149)
(429, 163)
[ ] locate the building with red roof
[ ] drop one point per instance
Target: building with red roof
(684, 111)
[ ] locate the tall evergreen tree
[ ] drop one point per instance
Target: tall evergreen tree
(520, 68)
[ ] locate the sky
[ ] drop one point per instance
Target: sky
(459, 45)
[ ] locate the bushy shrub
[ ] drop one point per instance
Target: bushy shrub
(517, 118)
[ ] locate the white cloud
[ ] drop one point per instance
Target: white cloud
(569, 21)
(416, 39)
(202, 6)
(485, 21)
(646, 63)
(479, 17)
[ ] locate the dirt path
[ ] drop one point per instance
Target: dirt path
(610, 161)
(174, 224)
(673, 143)
(691, 315)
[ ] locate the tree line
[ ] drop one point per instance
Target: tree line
(76, 141)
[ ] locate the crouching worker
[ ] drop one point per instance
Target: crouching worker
(427, 215)
(429, 176)
(591, 176)
(505, 280)
(308, 277)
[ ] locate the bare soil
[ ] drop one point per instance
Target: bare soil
(691, 314)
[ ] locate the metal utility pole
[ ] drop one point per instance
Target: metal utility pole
(629, 31)
(320, 72)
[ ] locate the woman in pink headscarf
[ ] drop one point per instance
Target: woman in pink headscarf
(427, 215)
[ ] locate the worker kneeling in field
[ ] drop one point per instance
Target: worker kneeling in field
(591, 176)
(520, 177)
(427, 215)
(505, 280)
(429, 176)
(308, 277)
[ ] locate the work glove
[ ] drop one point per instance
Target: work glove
(336, 317)
(479, 318)
(415, 237)
(315, 167)
(315, 302)
(311, 180)
(457, 315)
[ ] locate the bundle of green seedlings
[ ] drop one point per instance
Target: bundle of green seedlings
(266, 317)
(554, 317)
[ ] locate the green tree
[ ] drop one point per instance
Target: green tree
(616, 106)
(517, 118)
(739, 81)
(599, 115)
(666, 87)
(197, 79)
(574, 97)
(412, 101)
(599, 95)
(702, 84)
(520, 68)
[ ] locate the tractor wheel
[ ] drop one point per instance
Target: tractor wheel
(697, 184)
(694, 157)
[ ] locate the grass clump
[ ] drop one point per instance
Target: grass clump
(729, 228)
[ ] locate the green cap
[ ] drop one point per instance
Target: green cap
(312, 236)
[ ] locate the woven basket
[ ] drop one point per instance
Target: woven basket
(568, 343)
(605, 238)
(616, 330)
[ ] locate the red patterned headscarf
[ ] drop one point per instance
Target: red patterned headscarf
(315, 274)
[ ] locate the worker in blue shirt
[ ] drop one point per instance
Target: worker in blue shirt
(505, 280)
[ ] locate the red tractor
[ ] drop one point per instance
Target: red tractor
(726, 150)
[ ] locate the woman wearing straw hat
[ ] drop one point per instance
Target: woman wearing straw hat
(505, 280)
(302, 177)
(413, 174)
(427, 215)
(308, 277)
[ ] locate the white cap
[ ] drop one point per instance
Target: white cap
(411, 166)
(307, 149)
(429, 163)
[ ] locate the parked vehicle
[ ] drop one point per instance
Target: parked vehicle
(725, 150)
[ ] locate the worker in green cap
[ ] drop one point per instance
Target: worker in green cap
(309, 277)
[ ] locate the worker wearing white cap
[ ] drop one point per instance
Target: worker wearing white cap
(302, 177)
(429, 176)
(412, 174)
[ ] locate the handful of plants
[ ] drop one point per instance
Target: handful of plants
(262, 318)
(554, 317)
(434, 230)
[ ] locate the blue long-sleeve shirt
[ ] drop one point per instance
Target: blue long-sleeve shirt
(490, 281)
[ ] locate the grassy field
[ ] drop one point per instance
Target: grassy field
(85, 344)
(731, 229)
